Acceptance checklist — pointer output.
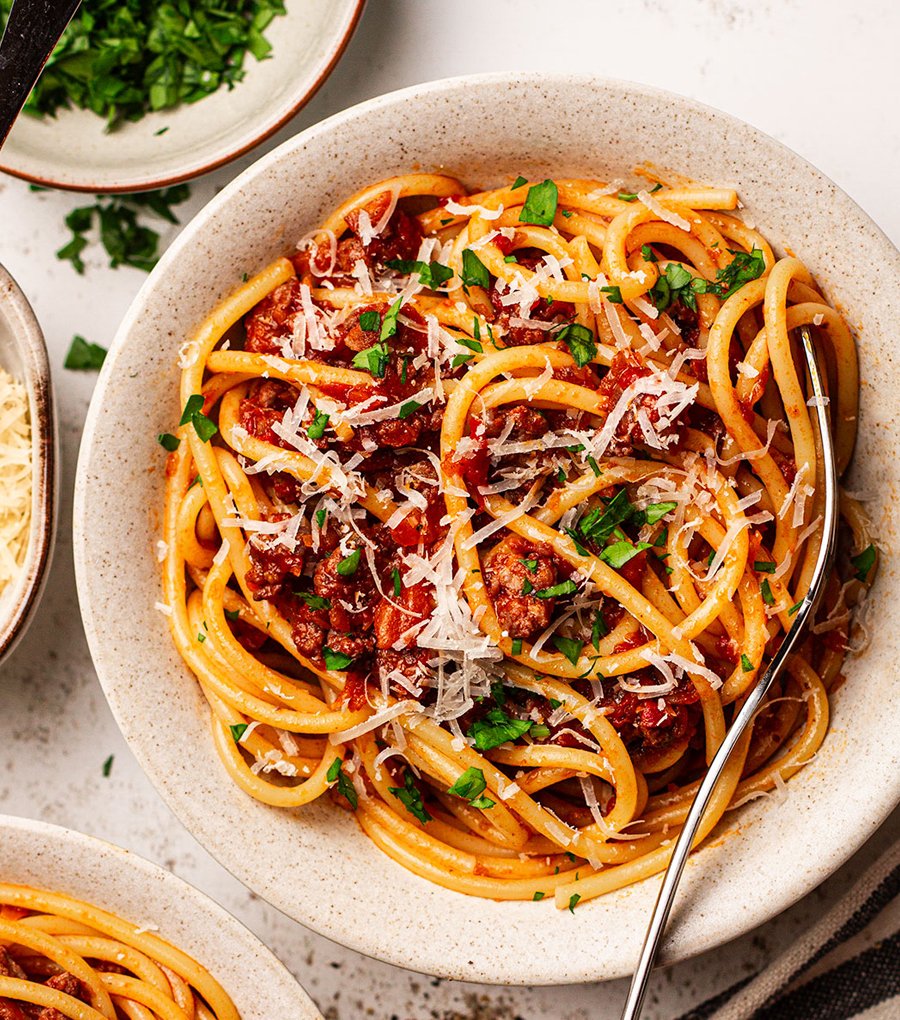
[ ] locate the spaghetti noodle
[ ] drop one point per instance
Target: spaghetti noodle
(63, 958)
(486, 510)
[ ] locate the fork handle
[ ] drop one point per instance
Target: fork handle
(33, 29)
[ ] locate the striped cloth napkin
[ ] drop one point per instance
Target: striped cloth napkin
(847, 965)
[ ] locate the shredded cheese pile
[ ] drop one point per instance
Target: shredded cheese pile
(15, 477)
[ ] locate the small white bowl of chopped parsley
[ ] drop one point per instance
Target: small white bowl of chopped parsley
(138, 95)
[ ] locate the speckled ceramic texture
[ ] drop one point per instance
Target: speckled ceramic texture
(315, 864)
(72, 150)
(23, 355)
(60, 860)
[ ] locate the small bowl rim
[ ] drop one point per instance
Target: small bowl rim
(48, 834)
(179, 177)
(29, 339)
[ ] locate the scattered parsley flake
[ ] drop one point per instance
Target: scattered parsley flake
(540, 204)
(83, 356)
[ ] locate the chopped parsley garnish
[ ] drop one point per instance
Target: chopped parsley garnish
(107, 766)
(314, 602)
(764, 566)
(431, 274)
(556, 590)
(613, 294)
(410, 407)
(336, 660)
(470, 786)
(233, 614)
(200, 638)
(83, 356)
(598, 629)
(656, 511)
(580, 341)
(320, 516)
(460, 359)
(389, 322)
(395, 579)
(193, 414)
(746, 665)
(472, 345)
(237, 731)
(795, 607)
(744, 267)
(567, 213)
(863, 563)
(345, 787)
(538, 896)
(570, 647)
(530, 565)
(127, 59)
(527, 587)
(474, 271)
(168, 442)
(497, 728)
(373, 359)
(540, 204)
(766, 592)
(126, 241)
(647, 253)
(517, 646)
(498, 693)
(573, 899)
(600, 522)
(369, 321)
(518, 182)
(510, 258)
(627, 196)
(410, 797)
(619, 553)
(318, 425)
(347, 566)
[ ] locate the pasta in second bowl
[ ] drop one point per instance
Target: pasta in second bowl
(316, 866)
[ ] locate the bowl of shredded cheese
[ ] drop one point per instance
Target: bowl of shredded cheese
(27, 463)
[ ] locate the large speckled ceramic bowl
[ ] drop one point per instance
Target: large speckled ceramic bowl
(60, 860)
(73, 149)
(315, 864)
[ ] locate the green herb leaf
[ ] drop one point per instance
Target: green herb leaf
(656, 511)
(318, 425)
(233, 614)
(530, 565)
(580, 341)
(83, 356)
(168, 442)
(474, 271)
(369, 321)
(314, 602)
(613, 294)
(863, 563)
(538, 896)
(619, 553)
(460, 359)
(193, 406)
(517, 646)
(627, 196)
(598, 629)
(107, 766)
(497, 728)
(410, 407)
(389, 322)
(345, 787)
(540, 204)
(398, 584)
(348, 565)
(237, 731)
(471, 784)
(744, 267)
(573, 899)
(746, 665)
(373, 359)
(570, 647)
(431, 274)
(647, 253)
(764, 566)
(410, 797)
(795, 607)
(766, 592)
(336, 660)
(557, 590)
(518, 182)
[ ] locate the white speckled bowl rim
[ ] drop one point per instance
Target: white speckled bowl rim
(61, 860)
(73, 151)
(315, 864)
(23, 354)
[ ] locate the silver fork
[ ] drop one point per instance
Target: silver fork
(828, 477)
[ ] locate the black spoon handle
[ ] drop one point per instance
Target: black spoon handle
(33, 29)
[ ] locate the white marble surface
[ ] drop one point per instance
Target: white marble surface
(817, 74)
